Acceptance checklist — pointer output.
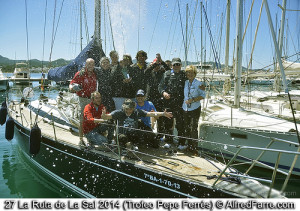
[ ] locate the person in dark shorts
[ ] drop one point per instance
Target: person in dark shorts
(128, 120)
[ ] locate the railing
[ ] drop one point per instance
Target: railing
(228, 165)
(275, 169)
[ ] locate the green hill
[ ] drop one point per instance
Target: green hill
(8, 65)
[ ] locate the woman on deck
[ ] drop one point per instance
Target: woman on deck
(193, 93)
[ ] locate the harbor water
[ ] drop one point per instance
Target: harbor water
(18, 178)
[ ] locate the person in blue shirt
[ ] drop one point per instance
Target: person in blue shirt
(145, 122)
(193, 93)
(145, 105)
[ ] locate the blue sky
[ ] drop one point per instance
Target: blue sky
(151, 25)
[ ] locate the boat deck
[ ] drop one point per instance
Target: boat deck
(185, 166)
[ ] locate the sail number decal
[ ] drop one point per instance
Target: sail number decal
(162, 181)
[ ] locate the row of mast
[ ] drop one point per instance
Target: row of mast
(238, 41)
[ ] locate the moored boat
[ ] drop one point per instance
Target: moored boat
(3, 81)
(109, 170)
(98, 172)
(230, 128)
(21, 75)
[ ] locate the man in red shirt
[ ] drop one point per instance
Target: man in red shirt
(84, 83)
(94, 130)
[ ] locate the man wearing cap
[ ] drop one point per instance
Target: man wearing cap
(145, 123)
(128, 119)
(171, 88)
(143, 104)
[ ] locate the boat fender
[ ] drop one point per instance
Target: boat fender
(9, 129)
(3, 113)
(35, 140)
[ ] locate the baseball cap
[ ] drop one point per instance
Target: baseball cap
(176, 61)
(140, 92)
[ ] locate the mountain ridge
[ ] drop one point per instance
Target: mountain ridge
(8, 65)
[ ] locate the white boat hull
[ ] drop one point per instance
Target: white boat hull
(228, 128)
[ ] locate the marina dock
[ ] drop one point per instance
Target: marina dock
(24, 80)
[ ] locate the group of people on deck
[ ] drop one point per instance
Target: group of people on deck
(130, 94)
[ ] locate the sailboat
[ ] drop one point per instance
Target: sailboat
(50, 142)
(230, 126)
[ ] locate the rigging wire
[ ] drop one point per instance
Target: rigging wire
(298, 53)
(44, 38)
(138, 39)
(54, 35)
(170, 30)
(27, 42)
(173, 33)
(122, 29)
(104, 26)
(111, 31)
(217, 61)
(204, 26)
(86, 25)
(154, 26)
(192, 25)
(220, 36)
(287, 9)
(181, 27)
(53, 24)
(75, 28)
(288, 29)
(80, 12)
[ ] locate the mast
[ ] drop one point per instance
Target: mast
(97, 32)
(80, 5)
(280, 41)
(277, 84)
(227, 35)
(239, 49)
(276, 46)
(201, 53)
(186, 34)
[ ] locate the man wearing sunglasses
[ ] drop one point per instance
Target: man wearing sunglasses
(171, 88)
